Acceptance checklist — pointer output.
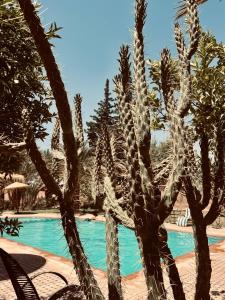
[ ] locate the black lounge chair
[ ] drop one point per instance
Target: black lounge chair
(24, 288)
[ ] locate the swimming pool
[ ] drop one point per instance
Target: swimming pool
(47, 234)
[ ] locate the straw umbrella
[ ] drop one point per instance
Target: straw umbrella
(17, 188)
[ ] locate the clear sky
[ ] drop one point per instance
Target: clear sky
(93, 31)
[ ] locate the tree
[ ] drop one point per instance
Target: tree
(106, 109)
(22, 84)
(22, 80)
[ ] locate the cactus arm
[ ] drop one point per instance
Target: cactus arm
(162, 170)
(58, 158)
(169, 261)
(141, 107)
(97, 173)
(113, 264)
(177, 112)
(194, 30)
(113, 205)
(55, 135)
(78, 132)
(185, 55)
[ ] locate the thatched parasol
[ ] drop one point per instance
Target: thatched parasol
(14, 177)
(16, 185)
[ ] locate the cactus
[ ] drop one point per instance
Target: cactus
(112, 250)
(78, 124)
(112, 244)
(145, 209)
(98, 193)
(58, 157)
(135, 121)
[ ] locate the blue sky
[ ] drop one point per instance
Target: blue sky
(93, 31)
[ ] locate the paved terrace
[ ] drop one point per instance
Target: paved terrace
(35, 261)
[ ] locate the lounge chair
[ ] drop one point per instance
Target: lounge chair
(24, 288)
(183, 220)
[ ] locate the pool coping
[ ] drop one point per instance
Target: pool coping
(179, 259)
(213, 232)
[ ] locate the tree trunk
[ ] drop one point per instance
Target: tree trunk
(173, 274)
(203, 263)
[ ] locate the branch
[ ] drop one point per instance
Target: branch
(218, 184)
(12, 147)
(205, 166)
(58, 89)
(113, 205)
(41, 167)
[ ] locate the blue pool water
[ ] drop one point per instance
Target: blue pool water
(47, 234)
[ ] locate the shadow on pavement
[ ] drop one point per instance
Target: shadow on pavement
(29, 262)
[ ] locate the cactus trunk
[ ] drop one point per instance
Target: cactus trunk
(113, 264)
(172, 271)
(149, 248)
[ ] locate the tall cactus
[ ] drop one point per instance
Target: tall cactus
(78, 123)
(141, 106)
(141, 215)
(58, 158)
(98, 192)
(148, 206)
(112, 243)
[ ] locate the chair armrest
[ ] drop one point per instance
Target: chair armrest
(50, 272)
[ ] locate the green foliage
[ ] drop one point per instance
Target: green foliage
(10, 163)
(28, 169)
(208, 84)
(10, 226)
(53, 31)
(22, 79)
